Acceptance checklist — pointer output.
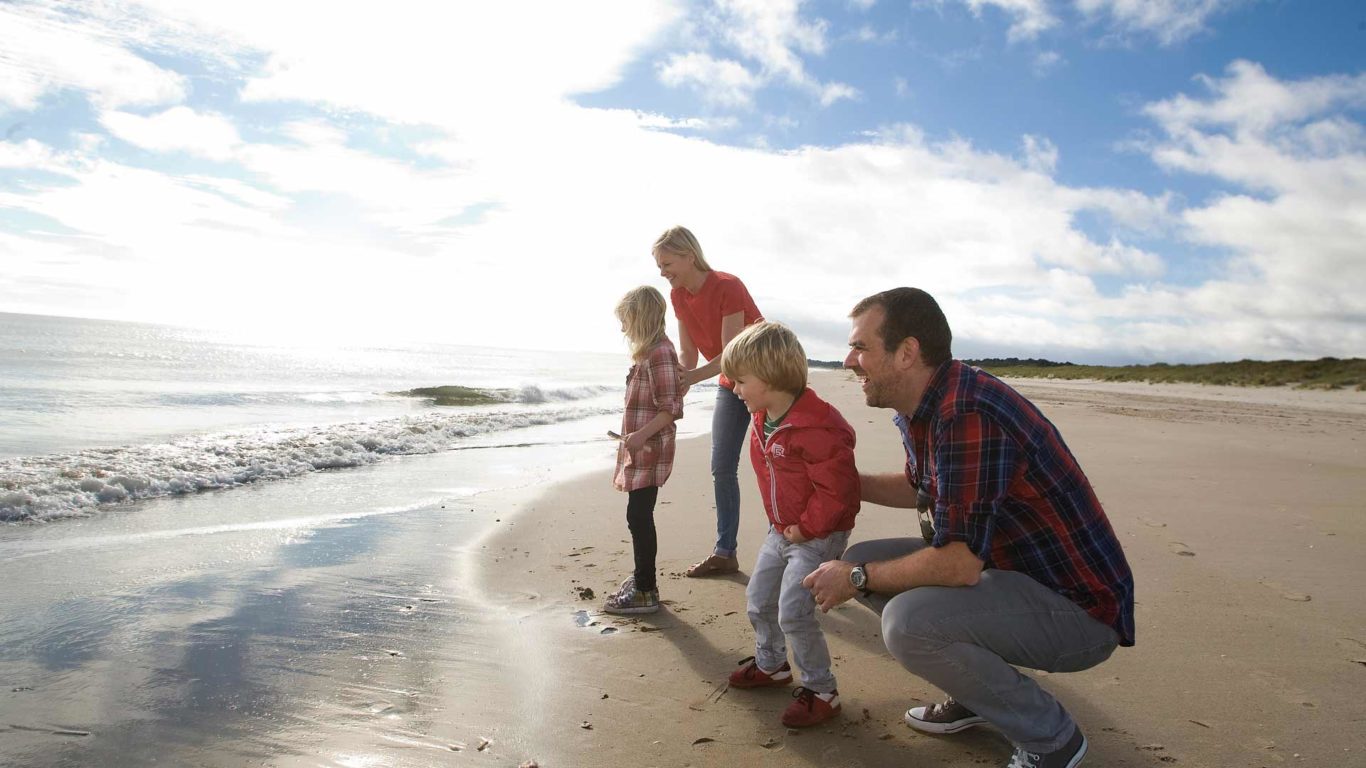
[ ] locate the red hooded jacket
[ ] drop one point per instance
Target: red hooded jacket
(806, 468)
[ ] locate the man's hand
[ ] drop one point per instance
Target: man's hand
(829, 583)
(793, 533)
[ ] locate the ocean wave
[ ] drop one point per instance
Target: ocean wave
(459, 395)
(40, 488)
(343, 397)
(264, 398)
(534, 395)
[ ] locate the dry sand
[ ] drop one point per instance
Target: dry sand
(1240, 511)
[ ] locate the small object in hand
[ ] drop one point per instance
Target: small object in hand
(613, 435)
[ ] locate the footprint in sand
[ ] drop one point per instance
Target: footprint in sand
(1151, 523)
(1351, 644)
(1181, 549)
(1285, 592)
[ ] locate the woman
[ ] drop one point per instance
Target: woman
(712, 308)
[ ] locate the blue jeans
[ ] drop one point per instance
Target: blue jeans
(729, 423)
(783, 612)
(966, 639)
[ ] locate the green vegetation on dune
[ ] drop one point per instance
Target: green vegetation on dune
(455, 395)
(1325, 373)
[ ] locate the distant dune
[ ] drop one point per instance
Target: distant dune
(1324, 373)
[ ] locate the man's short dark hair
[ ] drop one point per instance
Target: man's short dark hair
(912, 312)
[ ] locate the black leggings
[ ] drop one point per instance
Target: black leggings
(640, 518)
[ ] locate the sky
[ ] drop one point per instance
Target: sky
(1101, 181)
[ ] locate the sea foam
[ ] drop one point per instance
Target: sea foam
(39, 488)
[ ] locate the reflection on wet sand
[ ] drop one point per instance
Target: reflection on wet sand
(232, 667)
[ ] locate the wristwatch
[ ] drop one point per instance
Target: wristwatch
(859, 578)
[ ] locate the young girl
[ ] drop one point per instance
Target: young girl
(654, 401)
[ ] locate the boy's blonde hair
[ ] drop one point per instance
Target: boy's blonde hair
(641, 312)
(678, 241)
(769, 352)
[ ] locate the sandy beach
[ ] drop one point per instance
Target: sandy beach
(1240, 512)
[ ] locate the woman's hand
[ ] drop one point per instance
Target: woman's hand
(793, 533)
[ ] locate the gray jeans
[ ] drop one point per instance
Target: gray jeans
(965, 639)
(784, 612)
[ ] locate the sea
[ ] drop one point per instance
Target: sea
(96, 414)
(218, 550)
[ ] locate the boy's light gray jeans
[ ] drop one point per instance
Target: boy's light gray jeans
(783, 612)
(965, 639)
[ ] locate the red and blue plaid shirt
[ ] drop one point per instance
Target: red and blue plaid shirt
(1005, 484)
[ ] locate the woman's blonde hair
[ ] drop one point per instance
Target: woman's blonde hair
(769, 352)
(641, 312)
(678, 241)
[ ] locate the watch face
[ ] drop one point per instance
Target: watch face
(858, 578)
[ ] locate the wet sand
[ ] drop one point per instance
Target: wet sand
(1241, 512)
(321, 621)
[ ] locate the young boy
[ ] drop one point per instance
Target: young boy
(803, 454)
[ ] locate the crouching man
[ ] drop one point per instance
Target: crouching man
(1018, 564)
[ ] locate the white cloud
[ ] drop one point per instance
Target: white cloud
(1046, 62)
(594, 192)
(721, 82)
(833, 92)
(1296, 244)
(1113, 258)
(870, 34)
(1041, 155)
(438, 64)
(704, 124)
(27, 155)
(43, 50)
(1252, 101)
(1029, 18)
(773, 36)
(177, 129)
(132, 208)
(773, 33)
(1170, 21)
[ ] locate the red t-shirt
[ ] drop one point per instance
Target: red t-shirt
(700, 314)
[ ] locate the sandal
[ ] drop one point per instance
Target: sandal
(714, 565)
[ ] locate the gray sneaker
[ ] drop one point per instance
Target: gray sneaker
(1068, 757)
(949, 717)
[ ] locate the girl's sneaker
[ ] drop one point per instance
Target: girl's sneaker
(632, 601)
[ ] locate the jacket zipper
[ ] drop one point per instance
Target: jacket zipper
(773, 476)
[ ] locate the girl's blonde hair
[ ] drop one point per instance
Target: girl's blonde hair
(641, 312)
(678, 241)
